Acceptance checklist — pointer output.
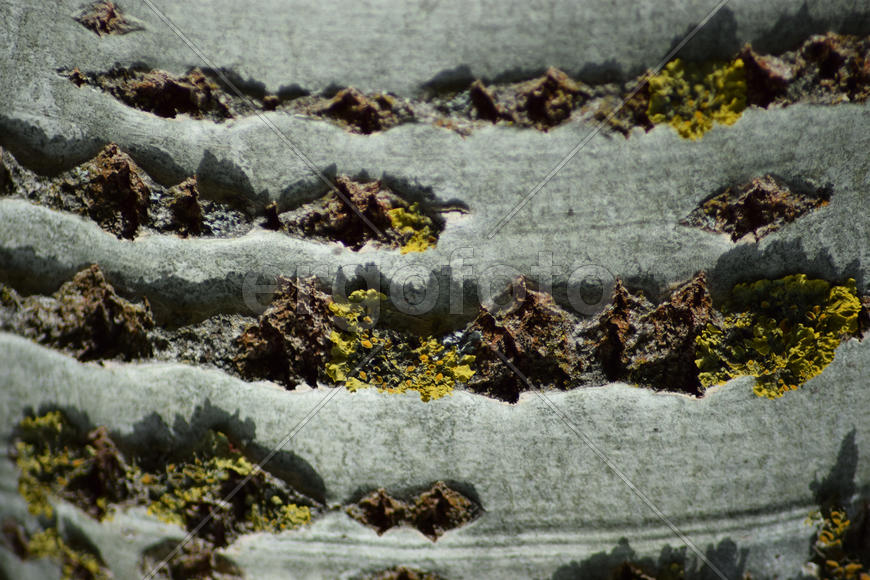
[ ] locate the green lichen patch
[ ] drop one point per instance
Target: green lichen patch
(434, 511)
(305, 335)
(404, 226)
(394, 362)
(837, 545)
(195, 560)
(783, 332)
(759, 207)
(85, 317)
(691, 97)
(416, 230)
(57, 460)
(185, 493)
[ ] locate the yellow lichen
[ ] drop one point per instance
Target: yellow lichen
(434, 372)
(34, 492)
(691, 97)
(355, 311)
(783, 332)
(46, 452)
(282, 516)
(51, 454)
(401, 364)
(203, 481)
(833, 530)
(830, 551)
(76, 564)
(49, 427)
(415, 228)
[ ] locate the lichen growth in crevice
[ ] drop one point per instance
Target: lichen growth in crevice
(76, 561)
(691, 97)
(394, 362)
(57, 459)
(305, 334)
(682, 343)
(837, 543)
(114, 192)
(433, 512)
(185, 493)
(338, 217)
(416, 230)
(783, 332)
(759, 207)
